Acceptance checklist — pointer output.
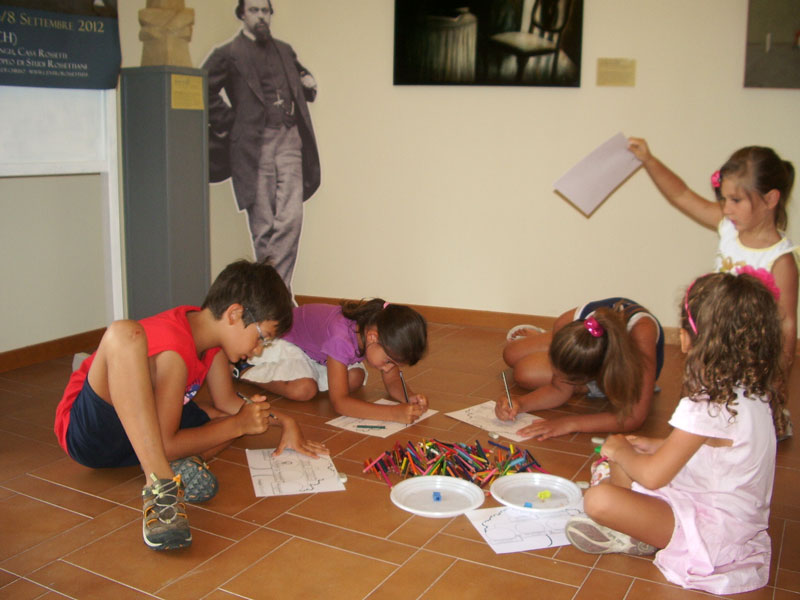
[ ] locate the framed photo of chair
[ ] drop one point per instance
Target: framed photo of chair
(773, 44)
(488, 42)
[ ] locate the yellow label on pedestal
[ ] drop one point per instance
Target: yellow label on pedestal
(187, 92)
(616, 72)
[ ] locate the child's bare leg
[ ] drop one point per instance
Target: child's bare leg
(646, 518)
(355, 379)
(516, 350)
(299, 390)
(533, 371)
(120, 374)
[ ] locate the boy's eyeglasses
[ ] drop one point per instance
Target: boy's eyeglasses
(265, 341)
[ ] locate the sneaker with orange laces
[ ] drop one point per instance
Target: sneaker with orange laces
(165, 525)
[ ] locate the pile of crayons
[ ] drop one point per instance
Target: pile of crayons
(473, 463)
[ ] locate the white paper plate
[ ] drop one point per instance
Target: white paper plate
(455, 496)
(536, 492)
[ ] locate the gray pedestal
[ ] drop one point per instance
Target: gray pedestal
(165, 187)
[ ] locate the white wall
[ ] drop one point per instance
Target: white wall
(443, 195)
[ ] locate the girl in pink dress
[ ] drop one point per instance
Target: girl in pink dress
(702, 495)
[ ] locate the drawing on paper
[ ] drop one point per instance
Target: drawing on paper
(291, 473)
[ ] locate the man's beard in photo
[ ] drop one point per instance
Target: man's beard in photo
(262, 33)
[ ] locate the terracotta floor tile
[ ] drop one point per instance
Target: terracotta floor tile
(21, 589)
(68, 473)
(344, 539)
(363, 507)
(25, 522)
(519, 562)
(229, 563)
(34, 431)
(416, 531)
(124, 557)
(788, 580)
(414, 577)
(648, 590)
(71, 539)
(79, 583)
(443, 380)
(72, 500)
(472, 580)
(203, 517)
(790, 555)
(601, 585)
(19, 455)
(301, 569)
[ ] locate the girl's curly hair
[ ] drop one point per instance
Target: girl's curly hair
(734, 327)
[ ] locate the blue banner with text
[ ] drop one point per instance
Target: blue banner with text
(53, 43)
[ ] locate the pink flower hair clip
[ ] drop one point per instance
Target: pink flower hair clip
(593, 327)
(716, 179)
(763, 276)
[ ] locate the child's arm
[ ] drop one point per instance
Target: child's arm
(345, 404)
(169, 380)
(785, 272)
(220, 387)
(552, 395)
(659, 468)
(674, 189)
(394, 386)
(644, 335)
(292, 437)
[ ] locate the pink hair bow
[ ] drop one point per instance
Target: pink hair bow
(593, 327)
(763, 276)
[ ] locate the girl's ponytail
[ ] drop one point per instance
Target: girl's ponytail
(622, 368)
(600, 348)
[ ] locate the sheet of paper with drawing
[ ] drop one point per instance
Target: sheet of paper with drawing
(508, 530)
(482, 415)
(375, 428)
(591, 181)
(291, 473)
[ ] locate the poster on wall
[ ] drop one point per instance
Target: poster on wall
(488, 42)
(773, 44)
(59, 43)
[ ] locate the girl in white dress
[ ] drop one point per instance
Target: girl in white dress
(751, 192)
(702, 495)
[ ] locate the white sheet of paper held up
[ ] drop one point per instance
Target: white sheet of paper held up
(591, 181)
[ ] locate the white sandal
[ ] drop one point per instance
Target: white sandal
(516, 332)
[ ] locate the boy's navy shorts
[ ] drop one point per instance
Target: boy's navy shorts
(96, 438)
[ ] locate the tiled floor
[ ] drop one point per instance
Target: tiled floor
(68, 531)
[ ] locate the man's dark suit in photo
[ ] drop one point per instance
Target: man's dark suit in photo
(272, 151)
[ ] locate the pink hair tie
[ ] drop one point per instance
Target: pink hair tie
(716, 179)
(763, 276)
(593, 327)
(385, 304)
(688, 312)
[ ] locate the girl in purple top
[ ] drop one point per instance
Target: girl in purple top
(325, 348)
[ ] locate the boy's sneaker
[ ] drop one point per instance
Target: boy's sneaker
(165, 525)
(199, 483)
(593, 538)
(239, 367)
